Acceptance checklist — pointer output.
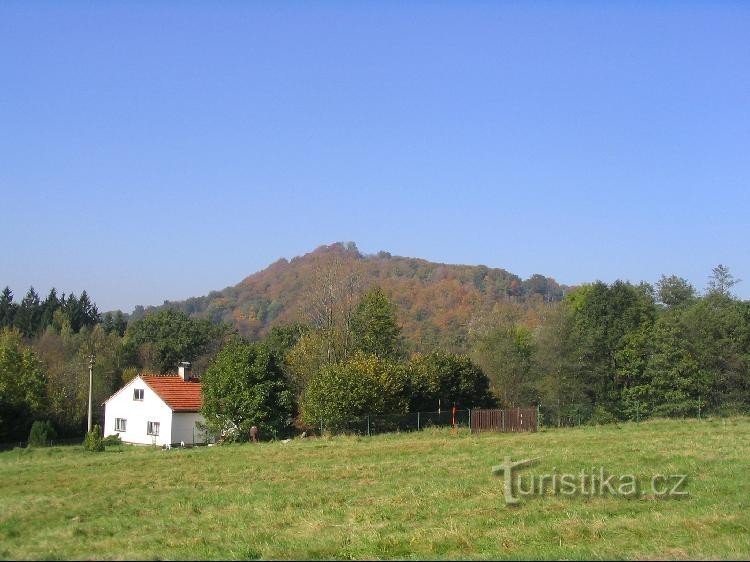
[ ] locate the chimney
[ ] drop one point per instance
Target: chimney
(185, 371)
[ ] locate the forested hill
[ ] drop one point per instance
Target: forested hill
(435, 301)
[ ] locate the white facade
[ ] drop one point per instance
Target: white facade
(139, 411)
(183, 427)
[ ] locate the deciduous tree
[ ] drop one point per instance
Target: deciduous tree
(245, 386)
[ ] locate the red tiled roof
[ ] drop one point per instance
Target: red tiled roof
(180, 395)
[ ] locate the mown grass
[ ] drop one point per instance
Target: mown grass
(423, 495)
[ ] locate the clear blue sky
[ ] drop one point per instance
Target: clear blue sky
(159, 150)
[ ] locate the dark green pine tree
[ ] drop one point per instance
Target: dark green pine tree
(374, 327)
(80, 311)
(49, 306)
(7, 308)
(28, 316)
(73, 311)
(89, 312)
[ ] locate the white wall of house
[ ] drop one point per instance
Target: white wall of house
(137, 414)
(183, 428)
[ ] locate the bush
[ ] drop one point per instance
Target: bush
(602, 416)
(345, 392)
(93, 441)
(42, 432)
(112, 440)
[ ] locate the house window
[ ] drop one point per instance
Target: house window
(138, 394)
(152, 428)
(120, 424)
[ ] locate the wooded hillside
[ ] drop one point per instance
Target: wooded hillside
(436, 302)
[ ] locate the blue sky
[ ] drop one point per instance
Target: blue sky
(160, 150)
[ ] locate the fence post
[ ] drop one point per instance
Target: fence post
(538, 417)
(699, 407)
(368, 425)
(321, 428)
(417, 421)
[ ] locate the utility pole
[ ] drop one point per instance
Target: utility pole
(91, 381)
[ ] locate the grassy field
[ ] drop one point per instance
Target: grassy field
(424, 495)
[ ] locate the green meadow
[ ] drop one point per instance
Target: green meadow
(418, 495)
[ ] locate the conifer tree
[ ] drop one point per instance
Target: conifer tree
(374, 327)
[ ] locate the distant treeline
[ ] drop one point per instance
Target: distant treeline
(32, 315)
(603, 353)
(623, 352)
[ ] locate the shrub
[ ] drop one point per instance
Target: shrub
(93, 441)
(112, 440)
(364, 385)
(42, 432)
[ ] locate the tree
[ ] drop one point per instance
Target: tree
(29, 313)
(281, 339)
(674, 291)
(374, 327)
(114, 322)
(41, 433)
(93, 441)
(65, 359)
(7, 308)
(540, 285)
(560, 388)
(721, 281)
(162, 339)
(503, 346)
(674, 376)
(22, 386)
(716, 331)
(305, 359)
(363, 385)
(330, 306)
(245, 386)
(49, 306)
(119, 323)
(81, 311)
(604, 316)
(448, 379)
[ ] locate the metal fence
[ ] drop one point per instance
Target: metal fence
(565, 415)
(388, 423)
(477, 420)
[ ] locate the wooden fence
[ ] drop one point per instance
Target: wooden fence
(511, 419)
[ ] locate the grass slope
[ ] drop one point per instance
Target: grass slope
(425, 495)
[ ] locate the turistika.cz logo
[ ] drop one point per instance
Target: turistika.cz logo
(588, 482)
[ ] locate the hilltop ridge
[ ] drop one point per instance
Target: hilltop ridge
(435, 301)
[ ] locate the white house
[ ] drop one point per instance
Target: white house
(156, 409)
